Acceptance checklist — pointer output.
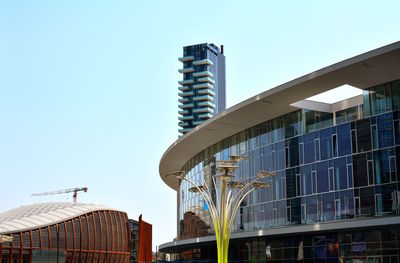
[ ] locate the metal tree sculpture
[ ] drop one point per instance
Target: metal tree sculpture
(229, 196)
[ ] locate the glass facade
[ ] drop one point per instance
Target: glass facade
(377, 245)
(99, 236)
(329, 167)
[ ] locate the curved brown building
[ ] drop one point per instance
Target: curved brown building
(65, 232)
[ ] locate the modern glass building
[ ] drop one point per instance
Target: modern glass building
(65, 232)
(336, 193)
(202, 90)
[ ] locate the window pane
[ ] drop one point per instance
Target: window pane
(363, 135)
(322, 179)
(360, 170)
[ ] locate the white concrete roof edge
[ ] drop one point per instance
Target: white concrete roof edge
(308, 82)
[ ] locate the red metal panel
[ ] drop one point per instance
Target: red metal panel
(1, 252)
(21, 247)
(11, 251)
(73, 231)
(95, 236)
(49, 236)
(125, 224)
(127, 228)
(31, 250)
(120, 241)
(40, 238)
(112, 237)
(145, 241)
(88, 238)
(80, 230)
(66, 241)
(117, 235)
(107, 234)
(101, 231)
(129, 233)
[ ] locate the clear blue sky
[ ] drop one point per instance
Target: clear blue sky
(88, 89)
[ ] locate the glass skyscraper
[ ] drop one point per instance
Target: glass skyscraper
(336, 193)
(202, 90)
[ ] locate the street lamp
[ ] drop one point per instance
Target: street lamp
(228, 197)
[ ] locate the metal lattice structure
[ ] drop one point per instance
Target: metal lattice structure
(88, 234)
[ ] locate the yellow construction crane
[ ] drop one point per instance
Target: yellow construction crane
(70, 190)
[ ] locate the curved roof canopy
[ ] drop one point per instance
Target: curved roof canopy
(38, 215)
(363, 71)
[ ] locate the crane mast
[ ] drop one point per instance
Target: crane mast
(65, 191)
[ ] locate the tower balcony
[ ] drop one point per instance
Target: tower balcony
(183, 112)
(207, 79)
(186, 106)
(184, 130)
(203, 62)
(198, 122)
(203, 97)
(203, 110)
(183, 88)
(186, 58)
(183, 100)
(203, 85)
(206, 92)
(186, 93)
(183, 124)
(206, 104)
(205, 116)
(185, 70)
(186, 82)
(203, 73)
(185, 118)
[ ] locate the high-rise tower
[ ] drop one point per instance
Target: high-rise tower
(202, 90)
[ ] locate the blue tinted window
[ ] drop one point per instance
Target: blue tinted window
(344, 139)
(381, 164)
(293, 152)
(317, 154)
(360, 174)
(328, 211)
(311, 202)
(385, 130)
(322, 177)
(350, 175)
(244, 168)
(309, 148)
(347, 204)
(388, 191)
(301, 153)
(340, 168)
(225, 154)
(290, 183)
(367, 201)
(325, 144)
(396, 94)
(363, 135)
(397, 131)
(305, 172)
(280, 155)
(292, 122)
(255, 162)
(268, 164)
